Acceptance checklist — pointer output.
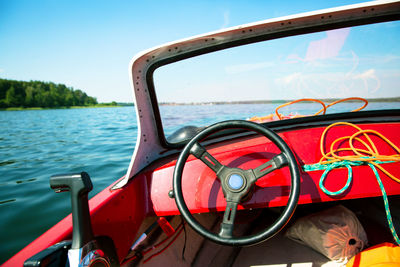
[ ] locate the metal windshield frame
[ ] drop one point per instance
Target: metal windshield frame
(151, 143)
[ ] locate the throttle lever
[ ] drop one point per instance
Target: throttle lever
(79, 184)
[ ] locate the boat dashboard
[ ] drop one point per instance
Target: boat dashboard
(202, 189)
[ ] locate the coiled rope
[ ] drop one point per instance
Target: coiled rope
(324, 106)
(279, 116)
(369, 155)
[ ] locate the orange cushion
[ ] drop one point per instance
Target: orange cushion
(385, 254)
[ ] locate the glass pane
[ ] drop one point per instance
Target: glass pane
(253, 80)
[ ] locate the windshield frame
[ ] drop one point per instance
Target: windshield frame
(151, 142)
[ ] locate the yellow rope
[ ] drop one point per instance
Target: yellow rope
(369, 154)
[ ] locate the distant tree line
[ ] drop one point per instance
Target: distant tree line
(41, 94)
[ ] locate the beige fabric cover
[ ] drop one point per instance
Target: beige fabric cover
(335, 233)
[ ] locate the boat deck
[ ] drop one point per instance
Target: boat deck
(279, 251)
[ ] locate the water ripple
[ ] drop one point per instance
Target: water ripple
(6, 201)
(8, 162)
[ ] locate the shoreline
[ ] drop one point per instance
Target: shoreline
(251, 102)
(371, 100)
(71, 107)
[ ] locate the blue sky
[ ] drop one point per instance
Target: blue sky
(88, 44)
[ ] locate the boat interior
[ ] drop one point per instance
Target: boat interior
(266, 189)
(266, 202)
(190, 249)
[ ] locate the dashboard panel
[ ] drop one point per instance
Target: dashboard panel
(203, 193)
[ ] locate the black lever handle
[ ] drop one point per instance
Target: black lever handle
(79, 184)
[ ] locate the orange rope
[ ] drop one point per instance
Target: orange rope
(347, 99)
(324, 106)
(301, 100)
(368, 154)
(261, 119)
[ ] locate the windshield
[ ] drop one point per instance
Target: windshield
(250, 82)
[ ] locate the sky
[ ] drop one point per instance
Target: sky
(88, 45)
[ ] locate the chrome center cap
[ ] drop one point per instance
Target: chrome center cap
(235, 181)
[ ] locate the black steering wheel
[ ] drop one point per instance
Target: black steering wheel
(236, 183)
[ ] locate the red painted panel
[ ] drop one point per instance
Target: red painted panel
(203, 193)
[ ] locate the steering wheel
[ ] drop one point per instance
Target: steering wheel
(236, 183)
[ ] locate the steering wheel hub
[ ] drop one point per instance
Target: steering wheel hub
(236, 181)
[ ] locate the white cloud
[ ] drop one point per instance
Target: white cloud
(290, 78)
(365, 75)
(370, 80)
(334, 84)
(234, 69)
(226, 20)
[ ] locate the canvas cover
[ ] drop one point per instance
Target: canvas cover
(335, 232)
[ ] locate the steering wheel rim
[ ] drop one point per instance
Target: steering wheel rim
(221, 238)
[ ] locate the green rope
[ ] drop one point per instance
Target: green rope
(346, 163)
(386, 202)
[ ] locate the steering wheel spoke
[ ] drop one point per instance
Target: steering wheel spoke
(228, 221)
(201, 153)
(275, 163)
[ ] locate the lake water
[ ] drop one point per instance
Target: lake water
(35, 144)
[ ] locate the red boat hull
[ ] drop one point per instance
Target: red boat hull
(119, 213)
